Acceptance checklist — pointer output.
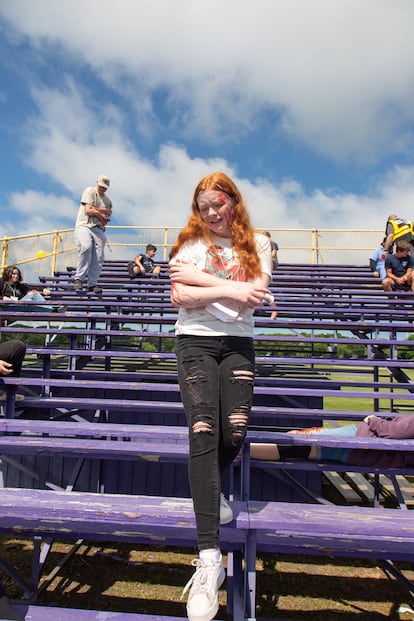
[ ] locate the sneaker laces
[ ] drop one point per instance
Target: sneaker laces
(202, 576)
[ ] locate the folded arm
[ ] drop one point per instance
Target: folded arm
(194, 288)
(102, 213)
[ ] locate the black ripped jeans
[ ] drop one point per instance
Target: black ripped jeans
(216, 376)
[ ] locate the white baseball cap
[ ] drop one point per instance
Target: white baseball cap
(103, 181)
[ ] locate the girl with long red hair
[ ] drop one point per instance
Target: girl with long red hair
(220, 270)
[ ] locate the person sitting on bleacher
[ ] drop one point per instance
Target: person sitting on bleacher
(12, 354)
(274, 249)
(144, 265)
(13, 289)
(399, 269)
(377, 262)
(397, 428)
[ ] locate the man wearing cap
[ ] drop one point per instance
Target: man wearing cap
(94, 213)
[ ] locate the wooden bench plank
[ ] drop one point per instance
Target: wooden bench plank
(30, 612)
(113, 517)
(144, 449)
(112, 430)
(316, 439)
(365, 488)
(360, 532)
(348, 494)
(177, 436)
(107, 517)
(173, 388)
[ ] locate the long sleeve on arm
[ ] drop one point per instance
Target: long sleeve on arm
(398, 427)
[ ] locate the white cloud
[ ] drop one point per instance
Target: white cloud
(70, 143)
(337, 76)
(30, 212)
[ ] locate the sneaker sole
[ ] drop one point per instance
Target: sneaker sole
(211, 613)
(226, 512)
(226, 519)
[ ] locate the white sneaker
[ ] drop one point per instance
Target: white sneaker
(202, 603)
(226, 512)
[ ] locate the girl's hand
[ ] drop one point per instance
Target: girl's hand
(368, 418)
(5, 367)
(185, 273)
(248, 293)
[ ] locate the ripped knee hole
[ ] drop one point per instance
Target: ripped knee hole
(201, 427)
(243, 375)
(238, 420)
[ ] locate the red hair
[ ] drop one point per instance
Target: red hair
(242, 238)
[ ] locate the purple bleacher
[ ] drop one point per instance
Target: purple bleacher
(108, 403)
(31, 612)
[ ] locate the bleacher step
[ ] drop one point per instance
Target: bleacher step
(349, 495)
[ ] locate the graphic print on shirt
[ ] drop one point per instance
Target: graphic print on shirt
(221, 262)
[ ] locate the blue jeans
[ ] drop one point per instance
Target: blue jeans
(34, 308)
(216, 376)
(332, 453)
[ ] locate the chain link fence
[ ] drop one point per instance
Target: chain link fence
(42, 254)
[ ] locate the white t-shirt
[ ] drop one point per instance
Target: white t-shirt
(91, 196)
(224, 263)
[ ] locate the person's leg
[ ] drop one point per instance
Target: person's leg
(97, 255)
(278, 452)
(332, 453)
(236, 395)
(133, 270)
(274, 452)
(13, 351)
(388, 284)
(199, 386)
(84, 244)
(35, 297)
(197, 359)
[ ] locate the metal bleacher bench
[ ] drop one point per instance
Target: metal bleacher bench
(317, 527)
(321, 298)
(114, 517)
(386, 535)
(48, 514)
(125, 389)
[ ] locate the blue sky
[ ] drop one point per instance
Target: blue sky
(308, 104)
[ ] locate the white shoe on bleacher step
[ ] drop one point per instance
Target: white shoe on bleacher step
(203, 604)
(226, 512)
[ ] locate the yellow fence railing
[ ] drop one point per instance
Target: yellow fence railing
(44, 253)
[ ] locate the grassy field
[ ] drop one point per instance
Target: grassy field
(150, 581)
(362, 404)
